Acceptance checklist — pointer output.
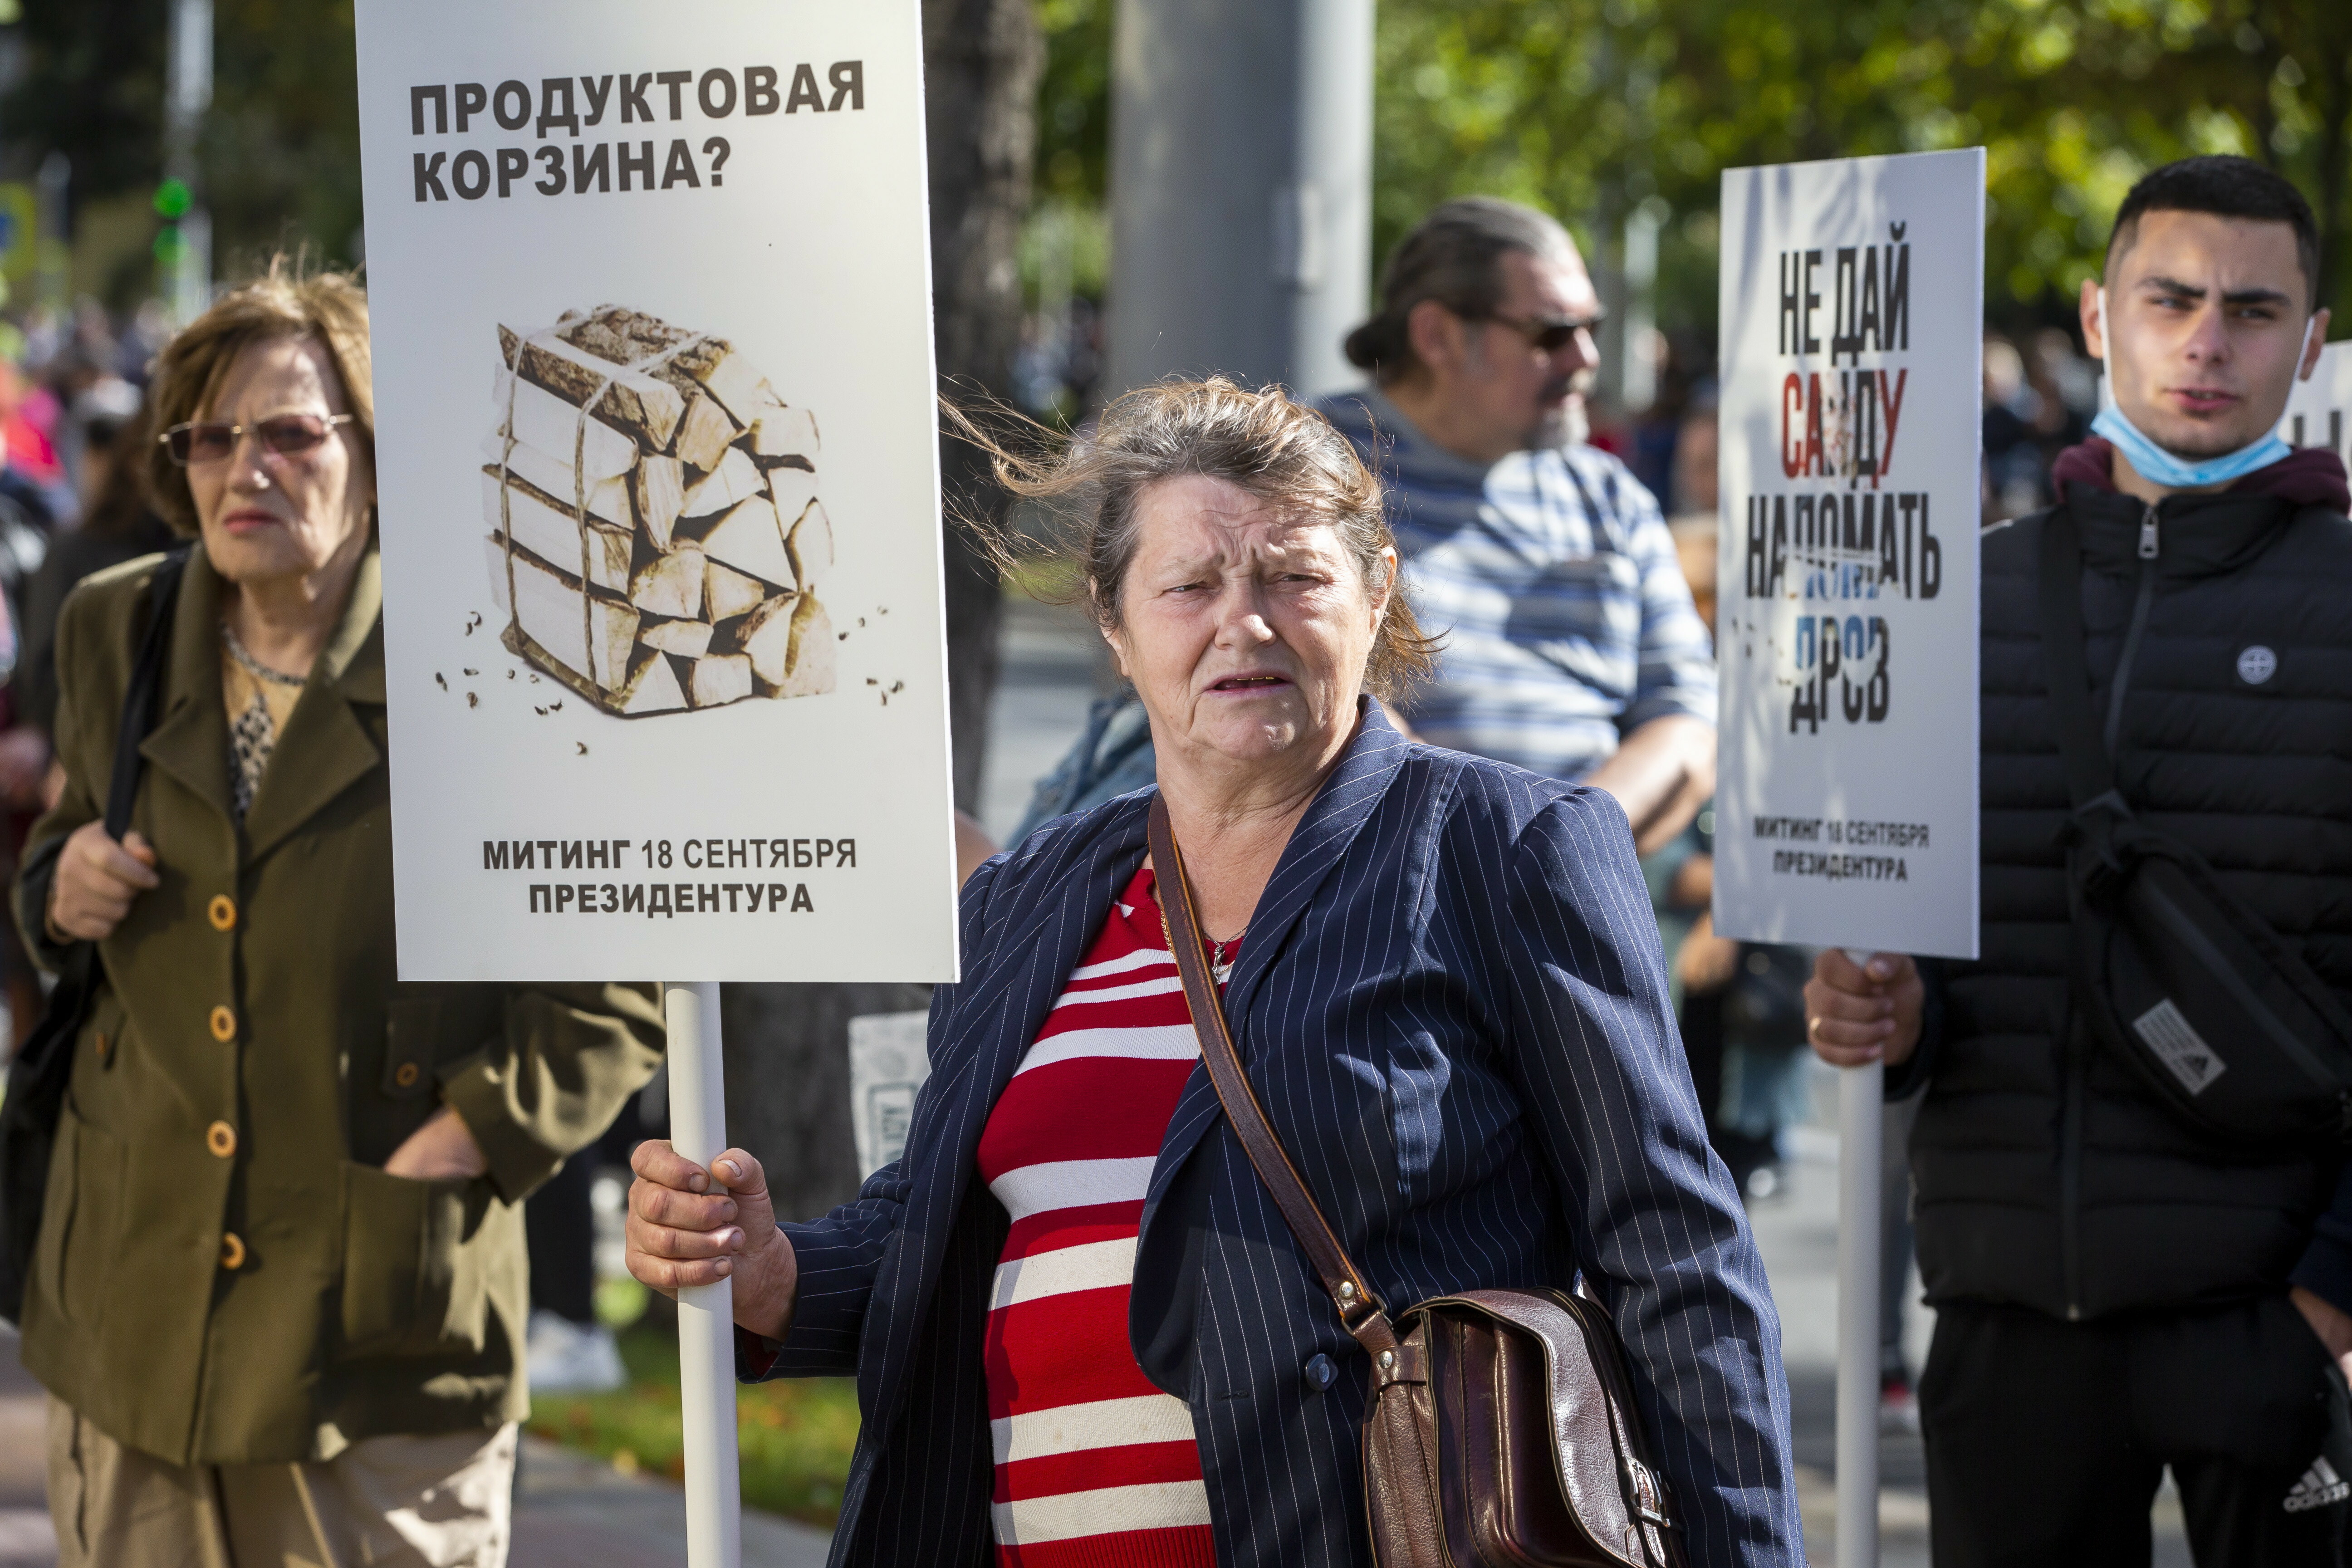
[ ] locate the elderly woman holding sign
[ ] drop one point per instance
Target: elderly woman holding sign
(279, 1289)
(1094, 1322)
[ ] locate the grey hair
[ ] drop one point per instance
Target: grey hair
(1452, 256)
(1276, 449)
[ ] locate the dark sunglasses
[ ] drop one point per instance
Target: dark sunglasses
(1548, 337)
(281, 435)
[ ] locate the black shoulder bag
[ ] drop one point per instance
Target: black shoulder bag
(38, 1075)
(2217, 1011)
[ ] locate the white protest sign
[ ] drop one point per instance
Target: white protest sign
(2319, 412)
(1847, 630)
(664, 618)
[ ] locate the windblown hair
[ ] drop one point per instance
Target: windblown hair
(1283, 452)
(329, 307)
(1454, 256)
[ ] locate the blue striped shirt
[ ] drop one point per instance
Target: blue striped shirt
(1553, 579)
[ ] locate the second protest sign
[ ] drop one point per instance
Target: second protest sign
(1846, 810)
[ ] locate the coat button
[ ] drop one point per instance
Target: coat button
(232, 1251)
(223, 1025)
(1319, 1371)
(405, 1075)
(221, 912)
(221, 1139)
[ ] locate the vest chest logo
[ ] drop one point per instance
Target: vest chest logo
(2256, 664)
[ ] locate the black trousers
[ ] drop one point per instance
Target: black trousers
(559, 1225)
(2047, 1440)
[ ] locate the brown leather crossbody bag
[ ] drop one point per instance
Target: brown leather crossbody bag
(1501, 1430)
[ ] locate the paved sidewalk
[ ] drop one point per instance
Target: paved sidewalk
(26, 1539)
(571, 1511)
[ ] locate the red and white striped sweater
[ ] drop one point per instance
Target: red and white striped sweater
(1094, 1467)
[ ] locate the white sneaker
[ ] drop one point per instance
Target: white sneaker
(566, 1358)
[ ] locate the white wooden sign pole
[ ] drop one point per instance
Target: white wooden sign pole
(706, 1313)
(1861, 1130)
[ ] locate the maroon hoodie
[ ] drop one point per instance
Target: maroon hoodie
(2311, 475)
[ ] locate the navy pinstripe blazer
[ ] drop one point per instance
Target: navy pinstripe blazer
(1452, 1002)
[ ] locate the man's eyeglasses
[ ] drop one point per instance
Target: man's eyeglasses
(1550, 336)
(281, 435)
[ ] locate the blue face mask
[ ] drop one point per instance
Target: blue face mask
(2174, 473)
(2177, 473)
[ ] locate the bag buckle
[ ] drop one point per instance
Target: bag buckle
(1649, 1495)
(2096, 829)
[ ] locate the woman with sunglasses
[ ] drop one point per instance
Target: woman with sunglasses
(279, 1291)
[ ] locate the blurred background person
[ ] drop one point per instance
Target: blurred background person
(116, 523)
(112, 522)
(2038, 402)
(279, 1293)
(2065, 388)
(1572, 648)
(2013, 468)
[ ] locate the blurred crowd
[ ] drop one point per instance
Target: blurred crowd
(73, 388)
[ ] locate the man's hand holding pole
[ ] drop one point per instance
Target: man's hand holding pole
(1856, 1014)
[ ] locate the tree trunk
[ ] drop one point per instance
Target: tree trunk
(788, 1046)
(982, 61)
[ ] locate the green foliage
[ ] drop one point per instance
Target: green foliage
(1586, 106)
(280, 154)
(1066, 240)
(795, 1436)
(281, 144)
(1074, 102)
(93, 87)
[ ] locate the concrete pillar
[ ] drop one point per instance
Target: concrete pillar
(188, 92)
(1241, 189)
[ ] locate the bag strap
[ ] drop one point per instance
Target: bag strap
(1360, 1313)
(2090, 772)
(139, 703)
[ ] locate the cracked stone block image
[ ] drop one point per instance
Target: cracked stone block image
(657, 539)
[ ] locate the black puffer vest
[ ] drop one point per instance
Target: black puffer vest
(2046, 1175)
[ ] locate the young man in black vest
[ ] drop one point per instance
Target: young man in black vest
(2117, 1292)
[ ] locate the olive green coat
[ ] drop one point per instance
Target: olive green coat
(225, 1272)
